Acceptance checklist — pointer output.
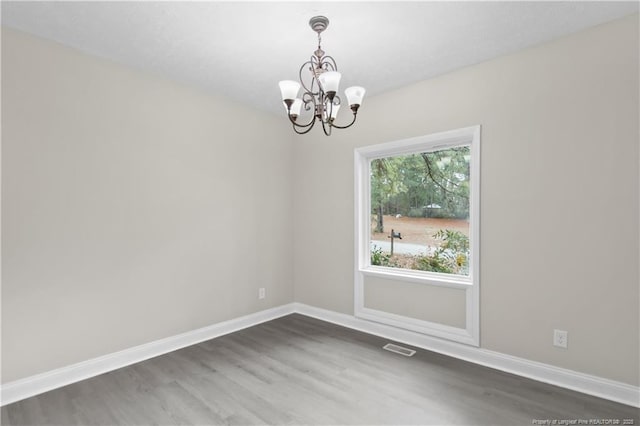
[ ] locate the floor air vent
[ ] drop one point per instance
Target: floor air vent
(399, 349)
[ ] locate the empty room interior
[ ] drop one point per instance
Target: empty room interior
(320, 213)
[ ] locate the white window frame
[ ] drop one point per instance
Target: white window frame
(470, 334)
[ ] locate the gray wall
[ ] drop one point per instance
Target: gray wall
(133, 208)
(559, 188)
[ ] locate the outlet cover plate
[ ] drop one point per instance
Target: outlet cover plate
(560, 338)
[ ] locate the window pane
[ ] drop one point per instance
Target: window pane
(422, 201)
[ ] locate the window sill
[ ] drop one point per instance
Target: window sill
(419, 277)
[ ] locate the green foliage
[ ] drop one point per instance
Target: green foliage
(453, 240)
(439, 214)
(433, 263)
(409, 184)
(380, 258)
(386, 183)
(452, 257)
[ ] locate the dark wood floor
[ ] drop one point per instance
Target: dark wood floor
(298, 370)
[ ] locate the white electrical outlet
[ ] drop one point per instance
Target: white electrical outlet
(262, 293)
(560, 338)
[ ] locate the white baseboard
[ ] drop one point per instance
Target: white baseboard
(592, 385)
(34, 385)
(569, 379)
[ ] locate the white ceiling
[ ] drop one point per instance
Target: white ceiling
(242, 49)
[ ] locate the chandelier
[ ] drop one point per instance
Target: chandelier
(319, 79)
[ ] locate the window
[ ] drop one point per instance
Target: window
(417, 213)
(420, 210)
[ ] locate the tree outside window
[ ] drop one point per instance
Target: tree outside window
(423, 197)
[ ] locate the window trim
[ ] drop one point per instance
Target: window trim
(470, 334)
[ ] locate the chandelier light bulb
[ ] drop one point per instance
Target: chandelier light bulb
(289, 89)
(334, 111)
(296, 107)
(329, 82)
(354, 95)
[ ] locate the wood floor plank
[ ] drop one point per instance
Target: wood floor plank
(298, 370)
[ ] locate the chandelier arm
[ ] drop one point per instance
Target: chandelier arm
(310, 63)
(302, 126)
(295, 128)
(325, 126)
(328, 60)
(308, 100)
(348, 125)
(326, 110)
